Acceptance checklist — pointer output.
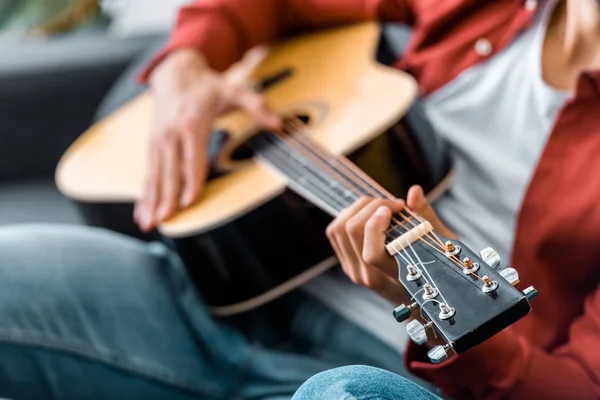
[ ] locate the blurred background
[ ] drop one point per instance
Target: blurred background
(60, 62)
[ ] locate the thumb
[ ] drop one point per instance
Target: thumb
(256, 105)
(417, 201)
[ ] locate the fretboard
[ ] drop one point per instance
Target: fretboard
(327, 181)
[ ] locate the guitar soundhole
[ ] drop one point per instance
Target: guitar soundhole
(243, 152)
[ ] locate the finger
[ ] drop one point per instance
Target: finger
(170, 180)
(355, 227)
(373, 250)
(256, 106)
(195, 160)
(417, 201)
(150, 195)
(346, 260)
(336, 232)
(239, 74)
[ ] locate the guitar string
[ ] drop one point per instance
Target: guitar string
(408, 261)
(329, 159)
(352, 168)
(275, 149)
(294, 155)
(344, 176)
(324, 160)
(349, 194)
(398, 251)
(363, 180)
(366, 179)
(302, 162)
(267, 152)
(357, 184)
(425, 269)
(412, 261)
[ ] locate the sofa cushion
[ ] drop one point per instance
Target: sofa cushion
(35, 201)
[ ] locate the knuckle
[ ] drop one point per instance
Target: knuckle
(167, 136)
(355, 278)
(331, 230)
(371, 223)
(371, 257)
(371, 282)
(354, 227)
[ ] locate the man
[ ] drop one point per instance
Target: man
(506, 75)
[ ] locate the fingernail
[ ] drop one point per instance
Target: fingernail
(144, 224)
(163, 212)
(186, 200)
(382, 211)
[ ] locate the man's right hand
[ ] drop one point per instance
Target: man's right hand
(189, 96)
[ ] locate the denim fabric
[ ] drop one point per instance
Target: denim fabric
(361, 383)
(90, 314)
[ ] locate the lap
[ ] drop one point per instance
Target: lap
(86, 313)
(102, 298)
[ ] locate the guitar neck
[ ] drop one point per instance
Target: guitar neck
(330, 182)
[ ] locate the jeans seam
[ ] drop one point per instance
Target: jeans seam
(112, 359)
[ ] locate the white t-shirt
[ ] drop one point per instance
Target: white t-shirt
(495, 118)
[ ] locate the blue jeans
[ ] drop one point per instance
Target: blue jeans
(361, 383)
(90, 314)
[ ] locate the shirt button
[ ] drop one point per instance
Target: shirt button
(531, 5)
(483, 47)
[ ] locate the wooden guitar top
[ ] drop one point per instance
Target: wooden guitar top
(334, 79)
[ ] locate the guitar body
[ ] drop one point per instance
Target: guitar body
(352, 106)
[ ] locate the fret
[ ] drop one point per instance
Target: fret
(303, 177)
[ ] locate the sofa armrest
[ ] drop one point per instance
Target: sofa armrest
(49, 92)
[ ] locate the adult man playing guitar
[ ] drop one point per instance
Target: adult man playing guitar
(505, 83)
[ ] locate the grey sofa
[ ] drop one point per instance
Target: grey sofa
(50, 92)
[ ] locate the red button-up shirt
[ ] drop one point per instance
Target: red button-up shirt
(554, 353)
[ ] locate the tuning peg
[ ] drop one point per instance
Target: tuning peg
(511, 275)
(417, 331)
(438, 353)
(530, 292)
(402, 312)
(491, 258)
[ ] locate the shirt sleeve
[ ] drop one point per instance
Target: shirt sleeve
(509, 367)
(223, 30)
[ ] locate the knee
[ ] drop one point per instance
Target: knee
(350, 382)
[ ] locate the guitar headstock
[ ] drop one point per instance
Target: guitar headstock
(465, 297)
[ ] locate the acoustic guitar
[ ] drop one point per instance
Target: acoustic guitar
(335, 100)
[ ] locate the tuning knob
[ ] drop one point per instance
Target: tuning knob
(438, 354)
(417, 331)
(511, 275)
(530, 292)
(491, 258)
(402, 312)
